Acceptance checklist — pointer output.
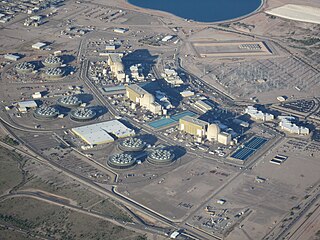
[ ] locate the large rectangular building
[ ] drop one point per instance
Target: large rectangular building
(139, 95)
(100, 133)
(116, 66)
(193, 126)
(134, 92)
(202, 106)
(12, 57)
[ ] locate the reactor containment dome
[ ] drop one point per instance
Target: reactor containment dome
(69, 101)
(131, 145)
(213, 132)
(46, 113)
(160, 157)
(121, 161)
(82, 114)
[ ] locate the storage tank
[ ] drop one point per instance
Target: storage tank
(121, 161)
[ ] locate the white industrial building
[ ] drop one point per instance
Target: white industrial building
(136, 72)
(37, 95)
(163, 99)
(25, 105)
(287, 125)
(142, 97)
(214, 133)
(110, 47)
(167, 38)
(202, 106)
(116, 66)
(12, 57)
(100, 133)
(203, 130)
(120, 30)
(39, 45)
(171, 76)
(187, 94)
(258, 115)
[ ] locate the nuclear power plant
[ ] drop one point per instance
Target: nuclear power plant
(140, 96)
(202, 130)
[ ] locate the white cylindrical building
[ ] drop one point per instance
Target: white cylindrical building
(213, 132)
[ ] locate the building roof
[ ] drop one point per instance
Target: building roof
(27, 104)
(12, 56)
(100, 132)
(287, 125)
(201, 104)
(224, 134)
(122, 30)
(195, 121)
(39, 45)
(167, 38)
(136, 88)
(255, 113)
(186, 93)
(155, 104)
(115, 57)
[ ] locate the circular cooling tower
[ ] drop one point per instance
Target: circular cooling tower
(46, 113)
(160, 157)
(121, 161)
(69, 101)
(82, 114)
(131, 145)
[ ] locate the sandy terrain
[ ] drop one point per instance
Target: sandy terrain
(297, 12)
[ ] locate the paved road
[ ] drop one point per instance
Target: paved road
(308, 227)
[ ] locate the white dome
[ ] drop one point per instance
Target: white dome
(213, 131)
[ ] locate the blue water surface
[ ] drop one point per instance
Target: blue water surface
(202, 10)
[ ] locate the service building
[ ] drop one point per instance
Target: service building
(193, 126)
(116, 66)
(142, 97)
(100, 133)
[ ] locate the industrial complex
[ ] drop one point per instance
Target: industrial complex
(122, 122)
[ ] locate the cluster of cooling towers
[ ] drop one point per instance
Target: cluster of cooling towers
(77, 114)
(53, 67)
(129, 146)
